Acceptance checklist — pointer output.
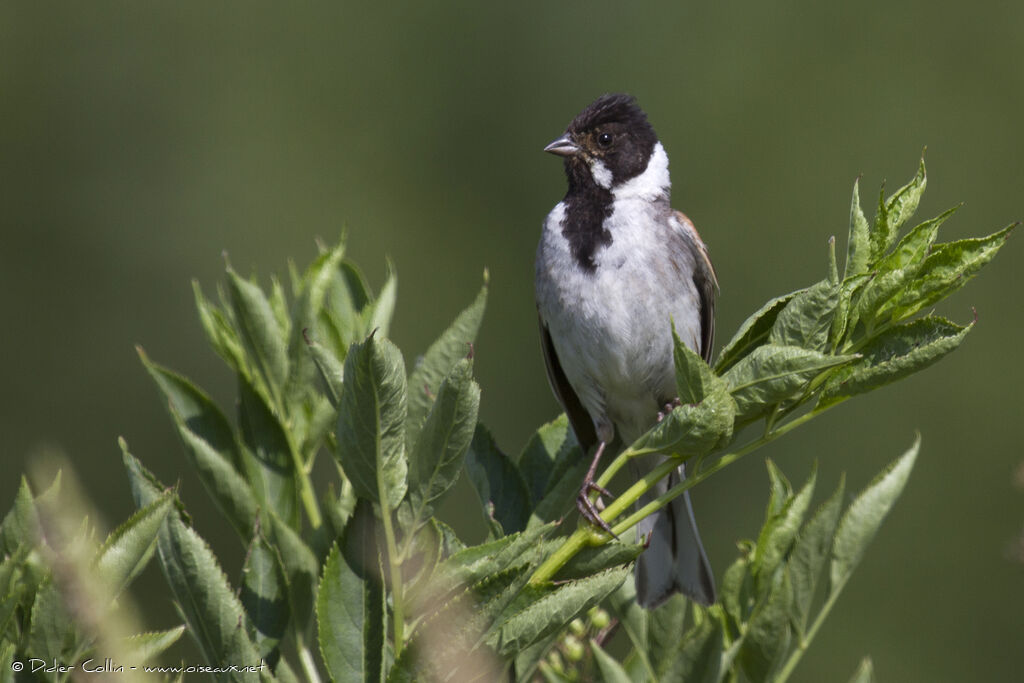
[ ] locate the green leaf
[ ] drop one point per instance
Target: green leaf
(772, 374)
(440, 450)
(202, 593)
(694, 379)
(780, 530)
(128, 549)
(193, 408)
(266, 439)
(894, 354)
(310, 294)
(752, 333)
(548, 445)
(698, 656)
(497, 481)
(332, 371)
(219, 330)
(806, 320)
(865, 673)
(864, 516)
(264, 596)
(812, 547)
(371, 420)
(665, 623)
(769, 631)
(379, 313)
(946, 269)
(611, 670)
(897, 269)
(52, 630)
(848, 289)
(453, 345)
(21, 524)
(351, 609)
(204, 596)
(261, 336)
(145, 647)
(901, 206)
(591, 560)
(692, 430)
(554, 610)
(858, 246)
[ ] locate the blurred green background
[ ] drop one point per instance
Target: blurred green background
(140, 140)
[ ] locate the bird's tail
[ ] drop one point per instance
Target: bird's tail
(674, 560)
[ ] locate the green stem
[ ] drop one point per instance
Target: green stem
(306, 492)
(587, 535)
(394, 563)
(307, 661)
(805, 642)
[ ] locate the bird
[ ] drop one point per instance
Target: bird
(616, 268)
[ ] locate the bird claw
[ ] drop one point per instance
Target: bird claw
(668, 408)
(590, 510)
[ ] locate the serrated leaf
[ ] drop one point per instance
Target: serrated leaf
(692, 430)
(219, 330)
(772, 374)
(371, 421)
(51, 629)
(261, 336)
(694, 379)
(266, 440)
(453, 345)
(848, 289)
(202, 592)
(947, 268)
(546, 447)
(351, 613)
(769, 632)
(665, 624)
(310, 294)
(900, 207)
(882, 234)
(21, 524)
(698, 656)
(128, 549)
(145, 647)
(780, 530)
(591, 560)
(809, 553)
(437, 457)
(894, 354)
(497, 481)
(752, 333)
(862, 519)
(378, 314)
(858, 246)
(896, 270)
(331, 370)
(610, 669)
(806, 320)
(554, 610)
(264, 595)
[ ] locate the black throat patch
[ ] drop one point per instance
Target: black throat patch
(587, 205)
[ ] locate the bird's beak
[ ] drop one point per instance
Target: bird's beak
(563, 147)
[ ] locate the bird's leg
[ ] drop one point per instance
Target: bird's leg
(588, 510)
(668, 408)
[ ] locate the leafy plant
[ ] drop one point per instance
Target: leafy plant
(357, 579)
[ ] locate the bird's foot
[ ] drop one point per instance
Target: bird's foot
(668, 408)
(590, 510)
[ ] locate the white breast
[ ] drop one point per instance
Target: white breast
(611, 328)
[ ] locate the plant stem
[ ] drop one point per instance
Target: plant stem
(305, 486)
(587, 535)
(307, 661)
(394, 563)
(805, 642)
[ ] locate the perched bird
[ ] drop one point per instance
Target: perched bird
(616, 266)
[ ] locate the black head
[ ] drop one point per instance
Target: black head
(607, 143)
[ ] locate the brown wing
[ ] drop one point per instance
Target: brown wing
(707, 286)
(579, 419)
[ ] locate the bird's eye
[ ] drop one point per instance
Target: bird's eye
(604, 139)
